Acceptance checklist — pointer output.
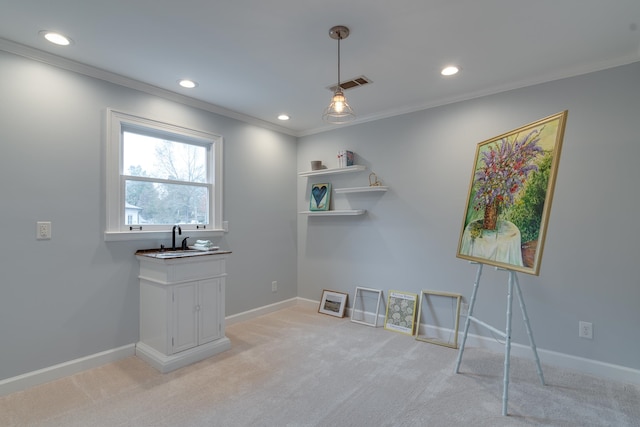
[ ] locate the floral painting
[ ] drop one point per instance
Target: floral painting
(401, 312)
(510, 195)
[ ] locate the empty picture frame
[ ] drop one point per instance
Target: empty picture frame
(333, 303)
(401, 312)
(425, 299)
(359, 311)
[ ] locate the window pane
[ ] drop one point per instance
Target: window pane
(156, 203)
(159, 174)
(160, 158)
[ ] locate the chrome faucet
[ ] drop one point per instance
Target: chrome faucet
(173, 236)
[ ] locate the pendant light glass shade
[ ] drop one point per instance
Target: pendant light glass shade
(338, 111)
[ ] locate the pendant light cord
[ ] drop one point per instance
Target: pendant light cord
(339, 38)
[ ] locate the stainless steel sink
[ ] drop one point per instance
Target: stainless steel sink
(177, 254)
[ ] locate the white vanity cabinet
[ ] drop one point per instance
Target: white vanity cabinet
(196, 310)
(181, 309)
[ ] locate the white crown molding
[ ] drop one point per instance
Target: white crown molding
(87, 70)
(67, 64)
(545, 78)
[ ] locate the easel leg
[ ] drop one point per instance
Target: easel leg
(469, 315)
(513, 280)
(529, 331)
(507, 345)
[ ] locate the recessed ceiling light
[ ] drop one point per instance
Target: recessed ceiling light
(449, 71)
(56, 38)
(189, 84)
(283, 117)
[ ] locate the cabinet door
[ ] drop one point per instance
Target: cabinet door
(209, 310)
(185, 326)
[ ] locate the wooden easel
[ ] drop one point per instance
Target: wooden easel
(513, 282)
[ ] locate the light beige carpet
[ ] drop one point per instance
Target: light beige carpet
(297, 367)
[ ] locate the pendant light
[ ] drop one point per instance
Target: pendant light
(338, 110)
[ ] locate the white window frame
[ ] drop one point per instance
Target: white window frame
(116, 227)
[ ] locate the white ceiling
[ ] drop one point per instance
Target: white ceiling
(255, 59)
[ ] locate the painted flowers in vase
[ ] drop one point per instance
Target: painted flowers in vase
(502, 172)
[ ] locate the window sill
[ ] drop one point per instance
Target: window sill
(120, 236)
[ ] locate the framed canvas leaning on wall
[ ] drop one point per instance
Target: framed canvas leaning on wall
(333, 303)
(401, 312)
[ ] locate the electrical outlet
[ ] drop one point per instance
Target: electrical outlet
(585, 330)
(274, 286)
(43, 230)
(225, 226)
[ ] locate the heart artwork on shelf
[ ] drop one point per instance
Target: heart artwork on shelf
(320, 197)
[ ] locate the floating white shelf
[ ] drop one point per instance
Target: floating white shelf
(354, 168)
(335, 212)
(362, 189)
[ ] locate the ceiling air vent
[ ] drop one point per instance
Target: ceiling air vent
(350, 84)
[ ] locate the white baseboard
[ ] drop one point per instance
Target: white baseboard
(251, 314)
(569, 362)
(41, 376)
(566, 361)
(51, 373)
(365, 317)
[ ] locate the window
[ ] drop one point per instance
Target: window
(159, 175)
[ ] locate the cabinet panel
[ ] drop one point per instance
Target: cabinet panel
(197, 269)
(155, 306)
(185, 328)
(210, 309)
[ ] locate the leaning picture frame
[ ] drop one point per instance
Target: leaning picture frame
(434, 332)
(320, 197)
(401, 312)
(359, 313)
(333, 303)
(510, 193)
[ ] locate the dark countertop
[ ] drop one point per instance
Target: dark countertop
(178, 253)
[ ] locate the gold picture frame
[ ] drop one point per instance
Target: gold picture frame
(401, 312)
(430, 338)
(510, 193)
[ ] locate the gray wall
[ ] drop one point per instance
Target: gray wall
(76, 294)
(408, 238)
